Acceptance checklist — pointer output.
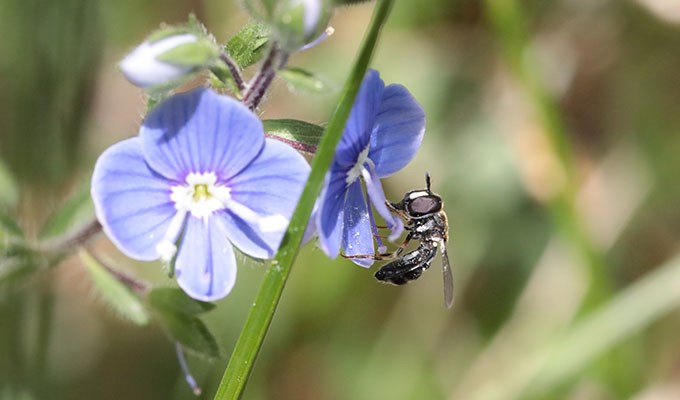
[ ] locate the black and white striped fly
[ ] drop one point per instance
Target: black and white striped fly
(425, 220)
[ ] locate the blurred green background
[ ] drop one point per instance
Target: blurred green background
(552, 135)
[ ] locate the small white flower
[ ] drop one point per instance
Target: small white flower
(143, 69)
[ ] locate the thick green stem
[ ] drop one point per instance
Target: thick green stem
(261, 314)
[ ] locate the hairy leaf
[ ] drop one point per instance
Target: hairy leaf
(70, 212)
(115, 293)
(190, 331)
(248, 46)
(300, 135)
(174, 299)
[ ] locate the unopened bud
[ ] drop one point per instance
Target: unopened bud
(168, 60)
(298, 22)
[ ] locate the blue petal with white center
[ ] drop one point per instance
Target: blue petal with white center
(199, 179)
(383, 133)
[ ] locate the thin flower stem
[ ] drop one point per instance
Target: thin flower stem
(71, 241)
(184, 366)
(234, 71)
(256, 90)
(250, 341)
(45, 322)
(131, 282)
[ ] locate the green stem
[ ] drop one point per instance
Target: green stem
(507, 20)
(250, 341)
(46, 315)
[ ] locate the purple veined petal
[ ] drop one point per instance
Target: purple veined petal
(200, 131)
(357, 134)
(377, 196)
(357, 235)
(329, 219)
(399, 129)
(205, 264)
(263, 198)
(131, 201)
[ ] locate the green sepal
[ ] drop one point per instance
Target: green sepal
(193, 26)
(189, 331)
(248, 46)
(176, 300)
(301, 135)
(73, 210)
(113, 292)
(200, 53)
(303, 80)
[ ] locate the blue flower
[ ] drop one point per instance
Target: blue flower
(200, 178)
(382, 134)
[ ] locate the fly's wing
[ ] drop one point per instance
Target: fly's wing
(448, 276)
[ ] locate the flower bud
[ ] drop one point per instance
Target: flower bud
(165, 61)
(298, 22)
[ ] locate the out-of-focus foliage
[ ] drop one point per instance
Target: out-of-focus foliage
(612, 70)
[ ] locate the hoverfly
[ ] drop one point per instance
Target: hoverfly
(425, 220)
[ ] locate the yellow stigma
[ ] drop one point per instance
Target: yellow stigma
(201, 192)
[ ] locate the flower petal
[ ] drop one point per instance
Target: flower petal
(329, 219)
(400, 125)
(206, 264)
(377, 196)
(270, 187)
(357, 134)
(131, 201)
(357, 235)
(200, 131)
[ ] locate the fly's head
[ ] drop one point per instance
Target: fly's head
(418, 203)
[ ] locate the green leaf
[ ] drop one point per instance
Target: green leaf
(190, 331)
(195, 54)
(115, 293)
(9, 191)
(173, 299)
(300, 79)
(248, 46)
(73, 210)
(301, 135)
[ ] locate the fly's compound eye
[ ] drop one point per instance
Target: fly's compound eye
(424, 205)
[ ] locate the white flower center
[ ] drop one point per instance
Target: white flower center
(355, 172)
(201, 196)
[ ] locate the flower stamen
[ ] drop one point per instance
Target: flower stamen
(356, 170)
(201, 195)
